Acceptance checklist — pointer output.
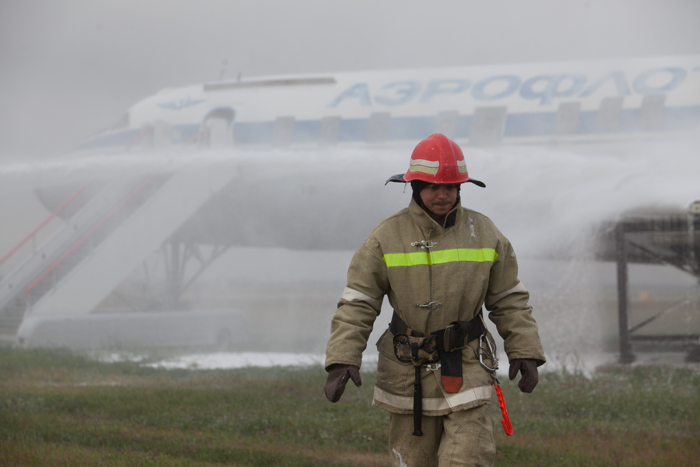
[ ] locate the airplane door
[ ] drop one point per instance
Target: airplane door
(217, 128)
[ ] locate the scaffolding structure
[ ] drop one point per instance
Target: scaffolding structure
(668, 238)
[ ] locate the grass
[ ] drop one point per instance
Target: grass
(60, 408)
(625, 417)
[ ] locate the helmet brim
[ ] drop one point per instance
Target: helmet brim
(398, 178)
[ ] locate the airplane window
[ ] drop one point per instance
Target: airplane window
(652, 111)
(378, 126)
(487, 126)
(609, 113)
(567, 118)
(282, 132)
(446, 123)
(330, 130)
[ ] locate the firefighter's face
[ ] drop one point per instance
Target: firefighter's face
(439, 199)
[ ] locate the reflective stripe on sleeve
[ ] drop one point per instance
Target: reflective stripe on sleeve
(352, 295)
(493, 299)
(480, 255)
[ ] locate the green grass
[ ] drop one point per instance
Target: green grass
(623, 417)
(61, 408)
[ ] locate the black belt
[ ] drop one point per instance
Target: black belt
(454, 337)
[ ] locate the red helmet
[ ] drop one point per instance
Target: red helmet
(437, 159)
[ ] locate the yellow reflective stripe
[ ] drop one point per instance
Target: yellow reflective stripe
(473, 255)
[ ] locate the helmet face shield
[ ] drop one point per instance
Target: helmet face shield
(437, 159)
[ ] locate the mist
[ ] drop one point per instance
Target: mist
(293, 238)
(71, 69)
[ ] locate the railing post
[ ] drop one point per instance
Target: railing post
(626, 355)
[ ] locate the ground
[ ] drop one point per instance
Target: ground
(61, 408)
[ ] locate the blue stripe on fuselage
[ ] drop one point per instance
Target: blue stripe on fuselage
(517, 125)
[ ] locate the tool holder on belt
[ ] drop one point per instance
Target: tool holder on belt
(442, 346)
(419, 351)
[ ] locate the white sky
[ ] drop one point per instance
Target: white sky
(70, 68)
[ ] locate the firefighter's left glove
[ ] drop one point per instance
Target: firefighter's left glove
(338, 376)
(528, 369)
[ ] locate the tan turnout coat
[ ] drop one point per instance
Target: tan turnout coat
(470, 265)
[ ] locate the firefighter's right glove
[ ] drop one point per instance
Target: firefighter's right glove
(528, 369)
(338, 376)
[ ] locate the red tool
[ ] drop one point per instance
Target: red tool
(507, 427)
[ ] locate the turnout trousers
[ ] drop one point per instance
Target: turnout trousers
(463, 438)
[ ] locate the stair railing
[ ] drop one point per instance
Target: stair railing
(87, 236)
(32, 235)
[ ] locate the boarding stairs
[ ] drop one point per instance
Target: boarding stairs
(103, 242)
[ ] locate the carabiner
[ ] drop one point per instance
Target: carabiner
(490, 353)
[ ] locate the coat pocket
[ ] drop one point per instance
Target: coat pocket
(392, 375)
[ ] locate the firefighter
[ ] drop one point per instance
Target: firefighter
(439, 263)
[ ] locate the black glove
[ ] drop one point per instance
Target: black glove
(338, 376)
(528, 369)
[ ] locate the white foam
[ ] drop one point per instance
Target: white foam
(585, 364)
(231, 360)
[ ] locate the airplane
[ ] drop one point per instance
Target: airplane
(482, 105)
(300, 161)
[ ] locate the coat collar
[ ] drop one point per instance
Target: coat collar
(425, 222)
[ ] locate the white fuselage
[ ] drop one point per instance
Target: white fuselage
(482, 105)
